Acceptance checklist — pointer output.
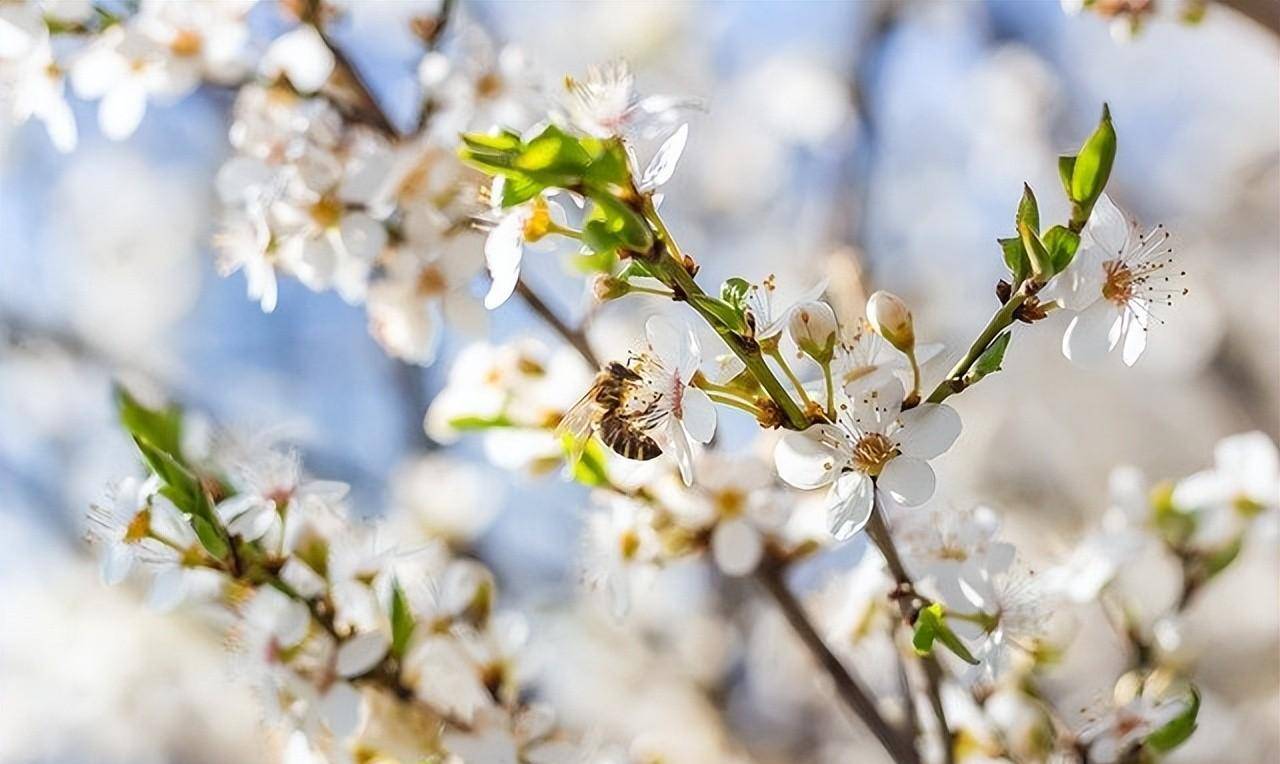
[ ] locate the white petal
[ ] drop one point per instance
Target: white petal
(361, 653)
(1135, 337)
(737, 547)
(302, 56)
(928, 430)
(1088, 336)
(117, 561)
(121, 109)
(699, 415)
(168, 589)
(803, 460)
(362, 236)
(293, 622)
(908, 480)
(1108, 227)
(663, 164)
(340, 708)
(676, 443)
(61, 124)
(849, 504)
(674, 344)
(503, 250)
(255, 523)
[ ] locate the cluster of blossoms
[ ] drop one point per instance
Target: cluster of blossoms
(364, 640)
(383, 642)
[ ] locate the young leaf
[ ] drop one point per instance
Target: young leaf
(931, 626)
(1061, 244)
(473, 423)
(990, 360)
(402, 621)
(1093, 165)
(184, 490)
(1028, 210)
(1066, 167)
(1178, 729)
(1015, 259)
(1041, 268)
(161, 428)
(591, 468)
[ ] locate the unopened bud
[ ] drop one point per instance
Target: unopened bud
(891, 319)
(813, 327)
(608, 288)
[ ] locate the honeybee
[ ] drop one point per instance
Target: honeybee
(613, 408)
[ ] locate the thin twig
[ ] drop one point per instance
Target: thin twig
(848, 687)
(572, 335)
(878, 531)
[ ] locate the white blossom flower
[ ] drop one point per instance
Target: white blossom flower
(205, 39)
(1015, 610)
(270, 488)
(674, 413)
(873, 443)
(244, 243)
(621, 551)
(866, 361)
(955, 548)
(1122, 726)
(1117, 279)
(479, 85)
(1243, 484)
(31, 80)
(606, 104)
(766, 318)
(301, 55)
(524, 225)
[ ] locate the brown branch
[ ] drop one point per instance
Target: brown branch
(574, 336)
(1265, 13)
(908, 605)
(847, 685)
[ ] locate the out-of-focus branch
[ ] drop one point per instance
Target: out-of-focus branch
(878, 531)
(848, 687)
(1265, 13)
(574, 336)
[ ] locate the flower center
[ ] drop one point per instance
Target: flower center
(628, 544)
(730, 502)
(327, 212)
(139, 527)
(186, 43)
(872, 452)
(1119, 284)
(539, 222)
(489, 85)
(431, 282)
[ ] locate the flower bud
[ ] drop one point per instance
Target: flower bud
(891, 319)
(813, 327)
(606, 288)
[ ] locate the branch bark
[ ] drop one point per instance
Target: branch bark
(574, 336)
(1265, 13)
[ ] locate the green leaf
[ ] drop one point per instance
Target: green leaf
(990, 360)
(1028, 210)
(1092, 167)
(734, 292)
(723, 312)
(1015, 259)
(474, 423)
(1041, 267)
(1177, 730)
(1061, 244)
(612, 226)
(591, 468)
(184, 490)
(518, 188)
(1066, 167)
(1218, 560)
(931, 626)
(402, 621)
(161, 428)
(553, 152)
(609, 164)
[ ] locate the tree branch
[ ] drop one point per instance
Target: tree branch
(574, 336)
(1265, 13)
(847, 686)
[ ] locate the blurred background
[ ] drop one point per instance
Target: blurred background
(878, 144)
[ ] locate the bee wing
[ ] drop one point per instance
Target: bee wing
(575, 428)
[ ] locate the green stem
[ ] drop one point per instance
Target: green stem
(776, 355)
(831, 391)
(954, 381)
(668, 267)
(736, 403)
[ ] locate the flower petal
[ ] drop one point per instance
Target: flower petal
(699, 415)
(1108, 227)
(674, 344)
(340, 708)
(121, 109)
(1135, 336)
(360, 653)
(663, 164)
(168, 589)
(804, 460)
(736, 547)
(117, 561)
(849, 504)
(503, 250)
(928, 430)
(910, 481)
(1088, 336)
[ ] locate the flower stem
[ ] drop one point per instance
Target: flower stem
(847, 685)
(776, 354)
(735, 402)
(954, 381)
(906, 597)
(831, 391)
(668, 267)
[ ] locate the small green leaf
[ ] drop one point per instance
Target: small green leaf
(1093, 164)
(1028, 210)
(518, 188)
(990, 360)
(1041, 267)
(553, 152)
(402, 621)
(1015, 259)
(161, 428)
(734, 292)
(474, 423)
(723, 312)
(1066, 167)
(1061, 244)
(612, 226)
(1218, 560)
(591, 468)
(184, 490)
(931, 626)
(1178, 729)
